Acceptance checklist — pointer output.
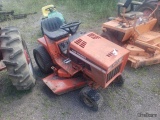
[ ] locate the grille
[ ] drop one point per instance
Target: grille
(113, 72)
(81, 43)
(78, 41)
(93, 36)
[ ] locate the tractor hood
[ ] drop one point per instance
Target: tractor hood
(97, 51)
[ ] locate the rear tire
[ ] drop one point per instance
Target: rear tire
(147, 9)
(15, 59)
(43, 59)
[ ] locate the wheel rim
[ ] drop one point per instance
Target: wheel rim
(88, 102)
(28, 58)
(39, 61)
(30, 68)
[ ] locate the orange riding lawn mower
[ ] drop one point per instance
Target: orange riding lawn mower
(137, 30)
(77, 59)
(15, 57)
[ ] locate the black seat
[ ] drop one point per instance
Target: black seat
(51, 28)
(131, 14)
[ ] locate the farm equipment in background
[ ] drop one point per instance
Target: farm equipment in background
(77, 60)
(136, 31)
(9, 15)
(15, 57)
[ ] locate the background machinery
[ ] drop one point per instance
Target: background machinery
(136, 30)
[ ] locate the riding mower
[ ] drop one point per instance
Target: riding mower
(77, 60)
(15, 57)
(135, 31)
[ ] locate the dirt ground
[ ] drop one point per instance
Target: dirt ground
(139, 95)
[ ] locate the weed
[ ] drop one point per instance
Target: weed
(45, 116)
(97, 9)
(141, 71)
(156, 87)
(0, 114)
(138, 83)
(66, 113)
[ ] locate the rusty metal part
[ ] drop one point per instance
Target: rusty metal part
(139, 38)
(61, 85)
(158, 4)
(145, 50)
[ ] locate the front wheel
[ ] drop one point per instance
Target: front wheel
(43, 59)
(91, 98)
(119, 81)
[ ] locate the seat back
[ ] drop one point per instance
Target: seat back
(51, 28)
(51, 24)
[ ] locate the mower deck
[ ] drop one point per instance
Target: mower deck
(138, 55)
(138, 61)
(62, 85)
(2, 66)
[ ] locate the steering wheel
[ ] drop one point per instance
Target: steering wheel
(71, 27)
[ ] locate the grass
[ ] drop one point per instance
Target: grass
(97, 9)
(115, 98)
(7, 91)
(25, 6)
(92, 13)
(156, 87)
(141, 71)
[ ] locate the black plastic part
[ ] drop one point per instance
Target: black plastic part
(63, 47)
(71, 27)
(91, 98)
(56, 35)
(1, 57)
(51, 28)
(127, 3)
(51, 24)
(119, 81)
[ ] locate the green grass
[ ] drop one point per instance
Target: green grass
(25, 6)
(7, 90)
(97, 9)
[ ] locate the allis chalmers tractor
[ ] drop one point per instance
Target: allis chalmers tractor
(136, 30)
(15, 57)
(77, 60)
